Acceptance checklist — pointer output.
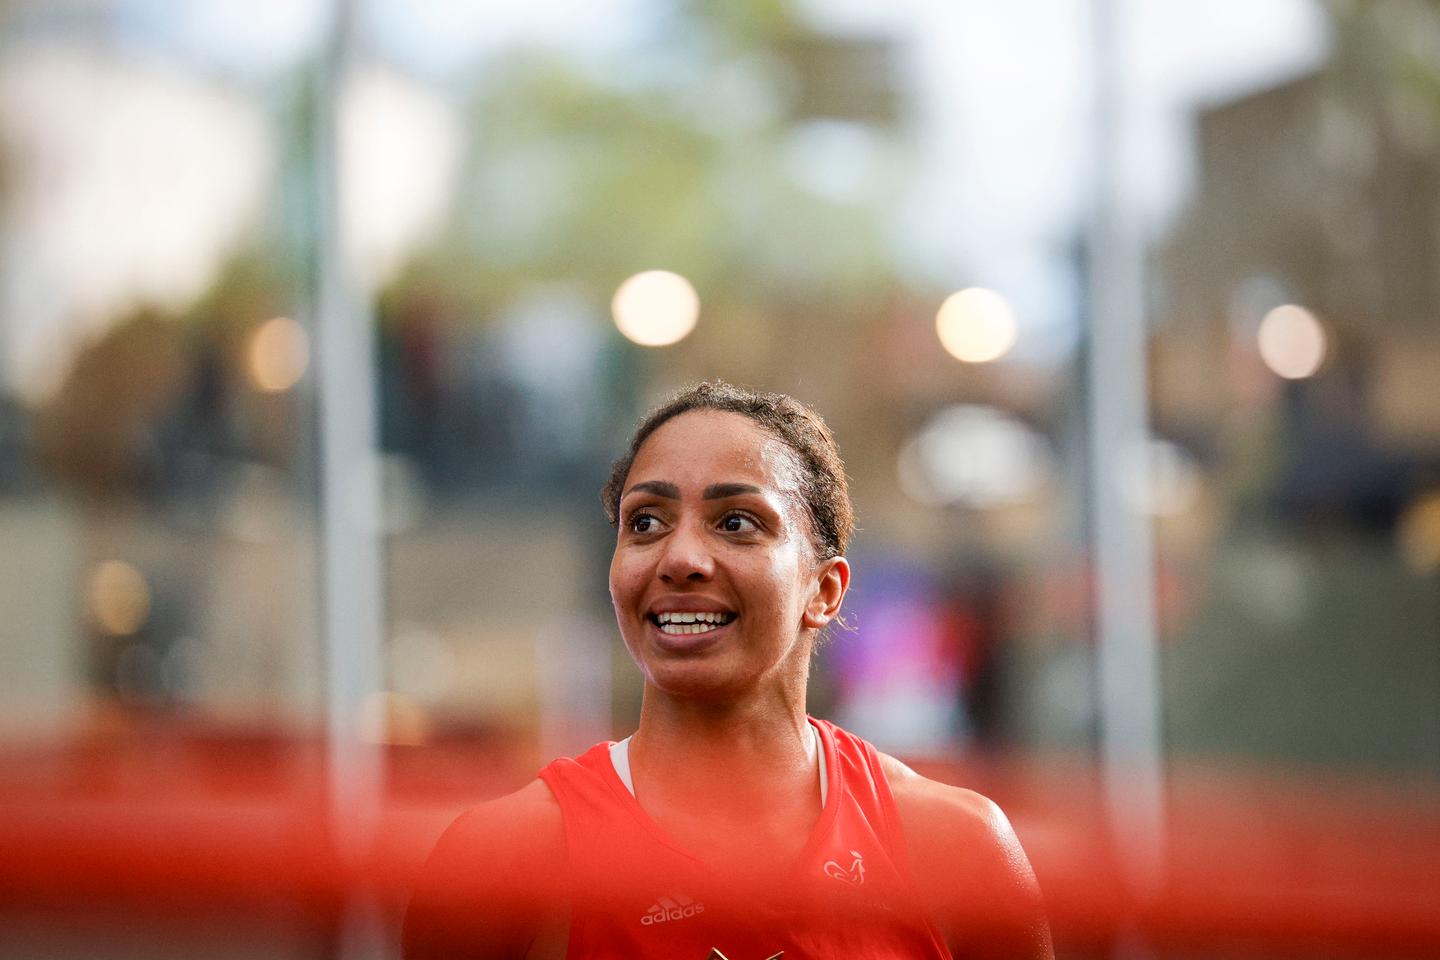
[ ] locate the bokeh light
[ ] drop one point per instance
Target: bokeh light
(976, 325)
(1292, 342)
(1419, 534)
(277, 355)
(118, 597)
(392, 718)
(1161, 478)
(655, 308)
(975, 456)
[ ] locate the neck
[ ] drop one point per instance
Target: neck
(719, 756)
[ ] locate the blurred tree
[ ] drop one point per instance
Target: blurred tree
(97, 432)
(698, 145)
(685, 152)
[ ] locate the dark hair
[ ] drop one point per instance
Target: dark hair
(823, 487)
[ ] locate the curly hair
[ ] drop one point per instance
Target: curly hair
(823, 487)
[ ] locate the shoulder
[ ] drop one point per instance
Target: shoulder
(492, 880)
(528, 820)
(968, 866)
(954, 815)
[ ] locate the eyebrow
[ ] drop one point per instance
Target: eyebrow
(658, 487)
(719, 491)
(716, 491)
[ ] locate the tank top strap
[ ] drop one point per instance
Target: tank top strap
(605, 829)
(580, 780)
(862, 777)
(589, 809)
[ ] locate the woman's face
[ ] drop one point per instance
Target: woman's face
(714, 579)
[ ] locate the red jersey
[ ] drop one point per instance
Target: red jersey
(637, 894)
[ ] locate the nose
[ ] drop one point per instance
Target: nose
(686, 557)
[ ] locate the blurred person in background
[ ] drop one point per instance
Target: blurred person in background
(730, 824)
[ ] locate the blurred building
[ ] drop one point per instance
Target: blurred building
(1317, 640)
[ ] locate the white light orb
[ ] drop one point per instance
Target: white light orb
(976, 325)
(119, 598)
(655, 308)
(1292, 342)
(278, 353)
(974, 456)
(1160, 478)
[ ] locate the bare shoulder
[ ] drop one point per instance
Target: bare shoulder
(926, 799)
(493, 881)
(527, 821)
(969, 867)
(960, 820)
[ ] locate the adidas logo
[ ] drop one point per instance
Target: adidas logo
(666, 909)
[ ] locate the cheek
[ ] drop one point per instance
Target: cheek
(619, 581)
(785, 583)
(632, 569)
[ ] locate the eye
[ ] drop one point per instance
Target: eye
(736, 522)
(642, 522)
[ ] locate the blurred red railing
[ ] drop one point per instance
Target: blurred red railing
(179, 822)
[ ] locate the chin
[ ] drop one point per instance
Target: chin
(697, 681)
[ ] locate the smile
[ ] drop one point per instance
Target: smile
(687, 624)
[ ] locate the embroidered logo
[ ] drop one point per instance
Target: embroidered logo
(855, 875)
(680, 907)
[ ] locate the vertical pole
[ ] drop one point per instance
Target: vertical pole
(1123, 552)
(349, 483)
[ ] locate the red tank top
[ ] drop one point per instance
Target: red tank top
(636, 894)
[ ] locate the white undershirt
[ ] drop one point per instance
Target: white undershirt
(620, 760)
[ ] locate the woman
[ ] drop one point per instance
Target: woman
(730, 825)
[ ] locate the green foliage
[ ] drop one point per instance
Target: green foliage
(673, 157)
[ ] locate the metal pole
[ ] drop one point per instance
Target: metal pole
(1117, 402)
(352, 585)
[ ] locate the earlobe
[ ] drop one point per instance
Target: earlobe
(832, 580)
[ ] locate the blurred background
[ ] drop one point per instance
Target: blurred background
(321, 322)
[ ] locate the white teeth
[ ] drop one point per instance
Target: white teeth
(688, 617)
(686, 623)
(684, 629)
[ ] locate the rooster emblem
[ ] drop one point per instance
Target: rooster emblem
(854, 874)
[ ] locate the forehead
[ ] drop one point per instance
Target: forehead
(712, 446)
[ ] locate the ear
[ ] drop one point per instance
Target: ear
(832, 579)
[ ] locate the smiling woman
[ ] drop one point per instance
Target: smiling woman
(730, 824)
(712, 525)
